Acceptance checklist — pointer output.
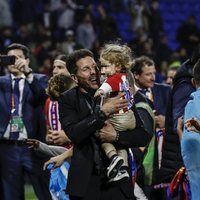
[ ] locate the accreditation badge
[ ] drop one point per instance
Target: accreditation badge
(16, 126)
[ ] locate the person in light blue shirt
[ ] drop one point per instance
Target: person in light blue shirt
(190, 142)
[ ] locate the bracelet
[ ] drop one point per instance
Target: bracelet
(27, 73)
(117, 137)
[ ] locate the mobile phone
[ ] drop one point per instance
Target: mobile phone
(6, 60)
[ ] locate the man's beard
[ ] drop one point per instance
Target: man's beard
(86, 87)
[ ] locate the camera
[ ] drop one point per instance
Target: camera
(6, 60)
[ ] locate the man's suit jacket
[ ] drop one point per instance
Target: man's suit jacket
(161, 93)
(80, 125)
(32, 105)
(73, 109)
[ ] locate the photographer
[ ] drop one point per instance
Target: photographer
(22, 95)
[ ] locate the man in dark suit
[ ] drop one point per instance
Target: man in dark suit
(22, 95)
(144, 73)
(80, 119)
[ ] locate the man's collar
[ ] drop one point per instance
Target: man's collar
(138, 88)
(146, 91)
(20, 76)
(89, 92)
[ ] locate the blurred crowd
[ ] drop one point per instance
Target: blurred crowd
(49, 27)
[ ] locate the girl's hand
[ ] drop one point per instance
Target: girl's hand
(57, 160)
(193, 125)
(33, 143)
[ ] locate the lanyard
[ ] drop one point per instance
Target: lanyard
(12, 104)
(89, 106)
(15, 99)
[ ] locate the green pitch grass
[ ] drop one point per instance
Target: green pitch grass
(29, 193)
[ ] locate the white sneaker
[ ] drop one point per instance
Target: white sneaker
(114, 166)
(123, 174)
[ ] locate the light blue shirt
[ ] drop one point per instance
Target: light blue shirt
(190, 145)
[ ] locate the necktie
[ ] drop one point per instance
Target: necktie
(16, 95)
(144, 91)
(15, 123)
(148, 94)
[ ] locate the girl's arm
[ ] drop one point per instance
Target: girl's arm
(58, 160)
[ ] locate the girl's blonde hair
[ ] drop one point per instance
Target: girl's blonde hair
(117, 54)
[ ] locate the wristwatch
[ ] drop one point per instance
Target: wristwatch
(27, 73)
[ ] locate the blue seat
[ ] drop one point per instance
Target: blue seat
(174, 13)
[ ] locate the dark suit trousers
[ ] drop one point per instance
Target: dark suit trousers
(99, 191)
(14, 162)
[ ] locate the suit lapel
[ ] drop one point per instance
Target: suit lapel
(25, 92)
(155, 92)
(8, 90)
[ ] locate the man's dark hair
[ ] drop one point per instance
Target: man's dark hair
(196, 72)
(22, 47)
(74, 57)
(140, 63)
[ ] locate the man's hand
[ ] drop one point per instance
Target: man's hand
(107, 133)
(49, 139)
(160, 121)
(193, 125)
(180, 127)
(114, 104)
(58, 137)
(22, 65)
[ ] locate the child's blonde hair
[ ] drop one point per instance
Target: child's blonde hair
(117, 54)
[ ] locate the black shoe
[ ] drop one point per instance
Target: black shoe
(122, 175)
(114, 166)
